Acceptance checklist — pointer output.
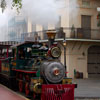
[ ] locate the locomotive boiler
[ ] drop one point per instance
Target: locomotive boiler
(54, 73)
(35, 68)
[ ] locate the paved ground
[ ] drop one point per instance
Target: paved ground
(7, 94)
(87, 88)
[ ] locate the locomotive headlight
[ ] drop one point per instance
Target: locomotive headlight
(56, 71)
(55, 52)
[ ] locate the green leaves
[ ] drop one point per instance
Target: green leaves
(15, 3)
(3, 5)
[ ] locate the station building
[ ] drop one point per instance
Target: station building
(83, 45)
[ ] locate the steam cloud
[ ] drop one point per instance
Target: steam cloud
(39, 11)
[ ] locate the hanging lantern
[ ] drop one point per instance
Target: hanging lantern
(98, 16)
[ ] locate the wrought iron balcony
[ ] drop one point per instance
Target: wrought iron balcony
(77, 33)
(68, 33)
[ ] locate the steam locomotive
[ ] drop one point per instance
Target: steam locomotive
(35, 68)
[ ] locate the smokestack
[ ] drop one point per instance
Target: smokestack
(51, 36)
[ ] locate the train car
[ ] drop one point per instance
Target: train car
(5, 52)
(35, 69)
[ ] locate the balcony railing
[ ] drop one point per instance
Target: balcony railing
(79, 33)
(74, 33)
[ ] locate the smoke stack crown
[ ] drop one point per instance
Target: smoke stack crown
(51, 34)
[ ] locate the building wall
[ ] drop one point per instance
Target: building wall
(77, 57)
(77, 52)
(83, 9)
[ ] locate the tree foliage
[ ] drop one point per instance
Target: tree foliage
(15, 3)
(3, 5)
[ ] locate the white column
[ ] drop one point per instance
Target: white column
(29, 25)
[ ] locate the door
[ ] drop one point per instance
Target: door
(94, 62)
(86, 26)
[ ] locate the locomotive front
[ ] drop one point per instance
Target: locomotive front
(55, 86)
(52, 70)
(52, 83)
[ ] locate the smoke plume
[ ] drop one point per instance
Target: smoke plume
(38, 11)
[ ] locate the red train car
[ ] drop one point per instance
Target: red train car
(5, 51)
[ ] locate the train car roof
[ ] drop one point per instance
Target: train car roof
(24, 43)
(7, 44)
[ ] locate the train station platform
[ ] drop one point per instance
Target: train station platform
(88, 88)
(7, 94)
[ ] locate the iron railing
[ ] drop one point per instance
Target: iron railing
(74, 33)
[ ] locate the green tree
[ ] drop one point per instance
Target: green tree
(15, 3)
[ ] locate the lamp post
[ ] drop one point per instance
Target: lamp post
(64, 45)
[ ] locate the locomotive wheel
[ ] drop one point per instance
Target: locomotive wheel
(34, 96)
(27, 91)
(20, 85)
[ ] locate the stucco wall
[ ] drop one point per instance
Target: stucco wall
(77, 57)
(72, 14)
(91, 10)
